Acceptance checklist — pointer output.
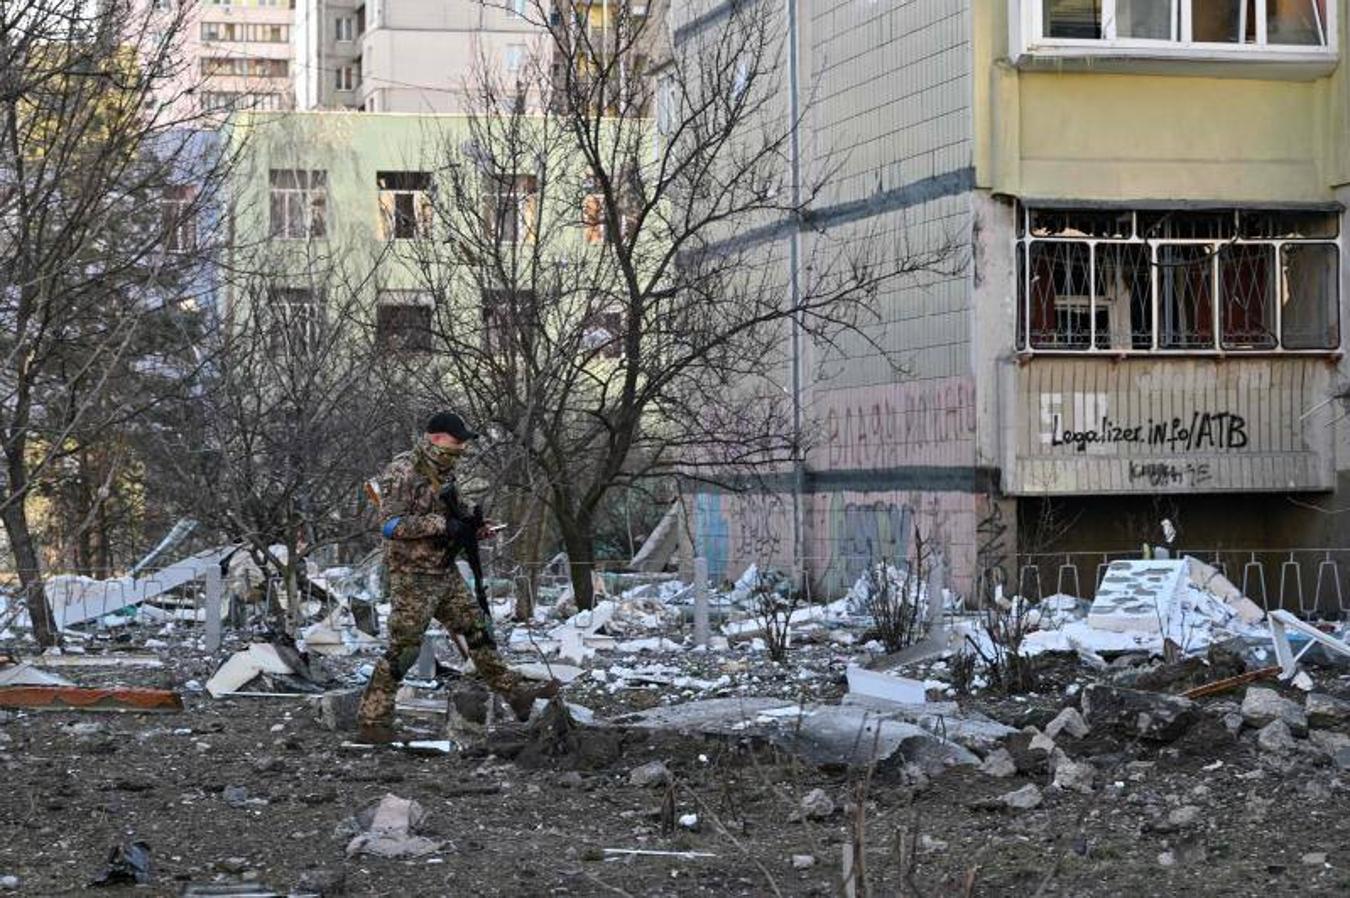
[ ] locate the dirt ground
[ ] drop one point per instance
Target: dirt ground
(76, 784)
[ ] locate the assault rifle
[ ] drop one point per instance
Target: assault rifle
(461, 534)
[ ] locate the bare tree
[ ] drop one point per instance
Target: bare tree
(609, 293)
(272, 443)
(99, 180)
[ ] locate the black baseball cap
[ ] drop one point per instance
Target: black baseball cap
(449, 422)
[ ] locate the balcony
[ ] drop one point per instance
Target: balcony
(1295, 39)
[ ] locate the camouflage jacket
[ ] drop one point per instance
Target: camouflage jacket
(411, 518)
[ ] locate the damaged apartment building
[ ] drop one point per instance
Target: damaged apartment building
(1146, 320)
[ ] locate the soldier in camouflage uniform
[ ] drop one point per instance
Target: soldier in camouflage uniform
(423, 582)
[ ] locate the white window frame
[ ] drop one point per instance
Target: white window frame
(1027, 27)
(1023, 241)
(311, 195)
(346, 77)
(345, 29)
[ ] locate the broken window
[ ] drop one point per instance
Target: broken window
(299, 203)
(602, 332)
(1190, 280)
(403, 321)
(1310, 295)
(406, 210)
(511, 206)
(180, 226)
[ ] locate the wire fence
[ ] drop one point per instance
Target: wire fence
(1313, 583)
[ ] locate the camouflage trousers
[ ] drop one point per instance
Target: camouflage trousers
(416, 597)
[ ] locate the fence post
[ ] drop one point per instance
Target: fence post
(215, 589)
(701, 601)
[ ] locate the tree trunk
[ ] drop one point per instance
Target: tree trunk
(580, 544)
(528, 556)
(30, 576)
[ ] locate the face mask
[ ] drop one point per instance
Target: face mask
(440, 457)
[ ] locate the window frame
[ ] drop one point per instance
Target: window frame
(1023, 241)
(344, 29)
(179, 222)
(312, 199)
(422, 217)
(1028, 40)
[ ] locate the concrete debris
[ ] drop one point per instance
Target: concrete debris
(689, 821)
(1326, 711)
(803, 861)
(1276, 738)
(1132, 713)
(1260, 706)
(1314, 858)
(901, 690)
(243, 666)
(25, 674)
(1024, 799)
(1302, 682)
(1072, 775)
(1067, 721)
(821, 734)
(816, 805)
(337, 709)
(387, 828)
(1327, 741)
(653, 773)
(999, 764)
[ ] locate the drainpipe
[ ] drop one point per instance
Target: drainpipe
(794, 292)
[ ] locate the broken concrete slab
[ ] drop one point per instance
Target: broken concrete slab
(901, 690)
(971, 729)
(822, 734)
(1137, 596)
(1207, 577)
(1132, 713)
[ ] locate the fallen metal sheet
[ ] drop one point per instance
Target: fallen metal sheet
(822, 734)
(243, 666)
(89, 698)
(1280, 621)
(1227, 683)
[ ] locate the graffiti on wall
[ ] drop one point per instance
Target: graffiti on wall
(926, 422)
(993, 546)
(844, 531)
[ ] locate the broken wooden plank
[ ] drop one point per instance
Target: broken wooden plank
(1227, 683)
(90, 698)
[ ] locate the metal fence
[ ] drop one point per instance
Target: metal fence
(1313, 583)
